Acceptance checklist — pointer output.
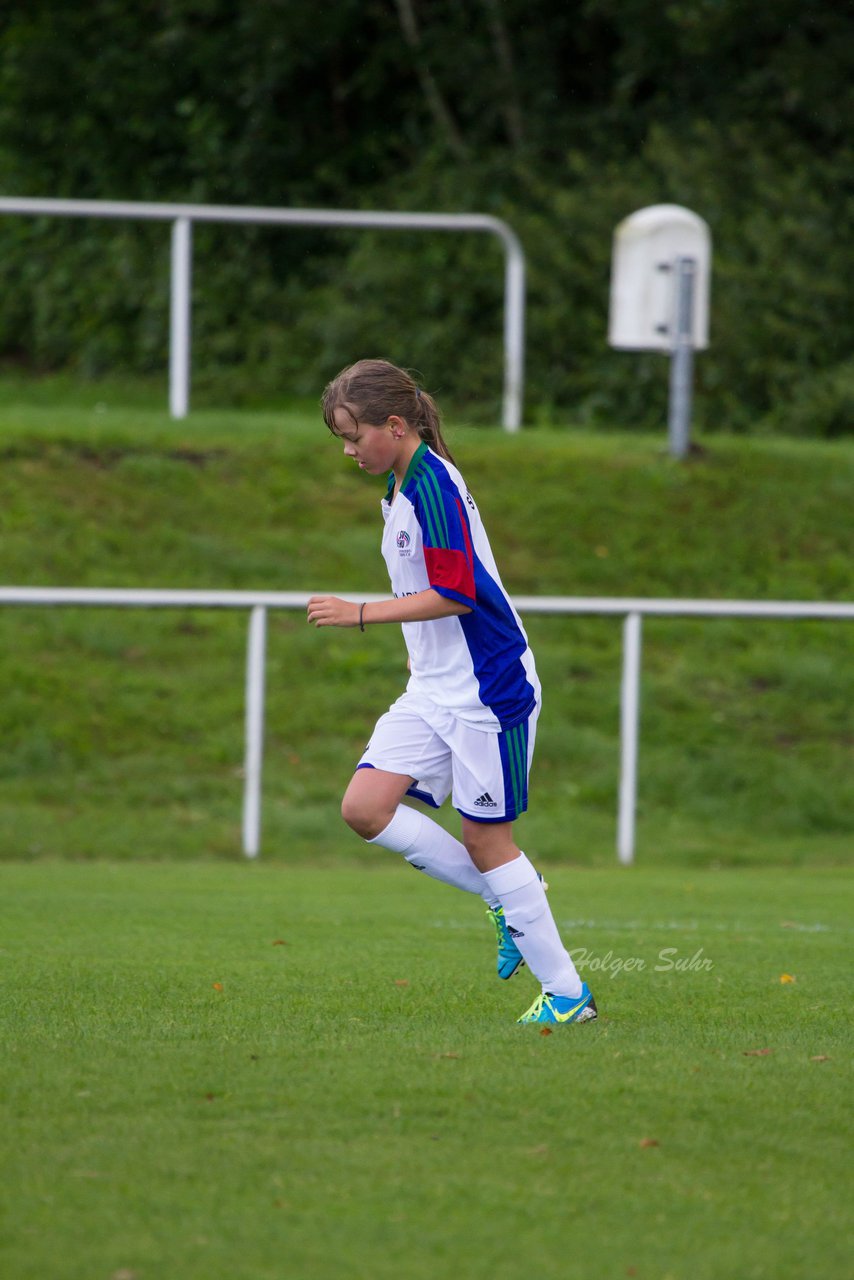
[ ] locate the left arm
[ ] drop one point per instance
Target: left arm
(423, 606)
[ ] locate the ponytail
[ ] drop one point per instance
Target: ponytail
(372, 391)
(429, 425)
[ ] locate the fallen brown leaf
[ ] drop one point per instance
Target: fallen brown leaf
(280, 942)
(820, 1057)
(649, 1142)
(545, 1031)
(217, 986)
(401, 982)
(756, 1053)
(787, 977)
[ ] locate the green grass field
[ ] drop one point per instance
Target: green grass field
(222, 1072)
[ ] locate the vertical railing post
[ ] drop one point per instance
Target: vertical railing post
(255, 664)
(629, 721)
(179, 322)
(514, 334)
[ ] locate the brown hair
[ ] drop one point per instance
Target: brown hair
(372, 390)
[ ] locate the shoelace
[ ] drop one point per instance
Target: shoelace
(537, 1007)
(494, 913)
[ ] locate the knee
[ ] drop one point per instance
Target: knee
(362, 818)
(370, 801)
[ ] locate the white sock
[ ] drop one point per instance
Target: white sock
(527, 912)
(430, 848)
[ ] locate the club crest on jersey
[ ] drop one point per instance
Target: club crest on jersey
(403, 540)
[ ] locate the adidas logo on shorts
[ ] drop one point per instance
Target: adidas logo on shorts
(485, 801)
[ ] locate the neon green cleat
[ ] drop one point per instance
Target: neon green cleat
(551, 1008)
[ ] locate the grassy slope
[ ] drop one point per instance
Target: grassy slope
(121, 733)
(318, 1119)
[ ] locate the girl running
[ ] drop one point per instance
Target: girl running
(466, 724)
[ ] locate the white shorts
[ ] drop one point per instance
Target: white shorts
(486, 773)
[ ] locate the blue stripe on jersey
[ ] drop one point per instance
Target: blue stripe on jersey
(496, 646)
(431, 491)
(492, 634)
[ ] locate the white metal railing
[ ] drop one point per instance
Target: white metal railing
(631, 609)
(182, 217)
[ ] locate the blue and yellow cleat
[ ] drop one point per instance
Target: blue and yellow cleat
(509, 956)
(552, 1008)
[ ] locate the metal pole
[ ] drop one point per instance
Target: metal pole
(183, 215)
(629, 720)
(682, 360)
(179, 331)
(514, 334)
(255, 663)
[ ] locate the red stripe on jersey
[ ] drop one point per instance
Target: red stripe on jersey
(464, 525)
(450, 569)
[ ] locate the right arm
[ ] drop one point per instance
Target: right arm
(423, 606)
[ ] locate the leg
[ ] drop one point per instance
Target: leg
(519, 889)
(372, 799)
(372, 807)
(490, 844)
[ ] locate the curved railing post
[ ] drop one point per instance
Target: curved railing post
(514, 332)
(179, 317)
(183, 215)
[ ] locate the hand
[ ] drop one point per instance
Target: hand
(329, 611)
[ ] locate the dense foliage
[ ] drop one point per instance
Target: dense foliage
(560, 118)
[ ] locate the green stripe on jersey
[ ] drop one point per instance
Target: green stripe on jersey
(515, 743)
(427, 487)
(414, 464)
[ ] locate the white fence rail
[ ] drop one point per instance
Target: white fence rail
(182, 217)
(257, 603)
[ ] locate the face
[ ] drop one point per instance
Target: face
(374, 448)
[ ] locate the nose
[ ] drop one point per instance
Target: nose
(349, 450)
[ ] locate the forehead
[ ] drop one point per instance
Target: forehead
(344, 422)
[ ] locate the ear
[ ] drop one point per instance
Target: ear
(397, 426)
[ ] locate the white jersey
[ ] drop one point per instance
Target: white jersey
(478, 665)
